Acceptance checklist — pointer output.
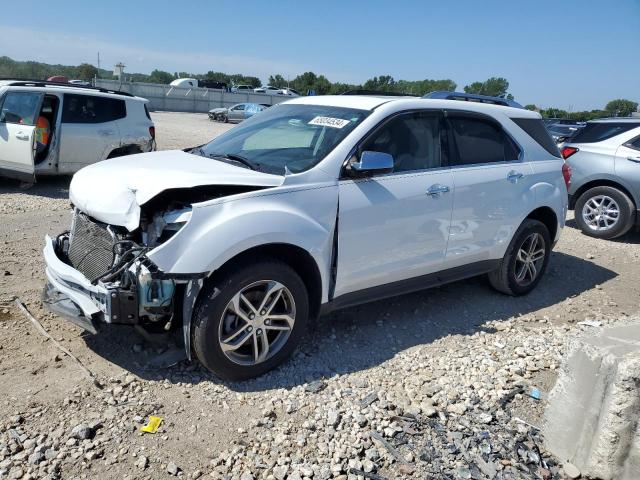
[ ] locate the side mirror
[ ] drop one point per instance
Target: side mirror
(372, 162)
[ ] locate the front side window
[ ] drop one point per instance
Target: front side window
(286, 136)
(413, 139)
(20, 107)
(480, 140)
(238, 107)
(92, 109)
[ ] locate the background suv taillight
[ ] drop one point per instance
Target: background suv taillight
(152, 132)
(566, 174)
(568, 151)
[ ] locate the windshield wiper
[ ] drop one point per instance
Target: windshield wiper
(235, 158)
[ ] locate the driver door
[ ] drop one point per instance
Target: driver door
(18, 116)
(394, 227)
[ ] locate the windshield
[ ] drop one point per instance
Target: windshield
(294, 137)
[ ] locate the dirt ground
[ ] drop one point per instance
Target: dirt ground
(586, 279)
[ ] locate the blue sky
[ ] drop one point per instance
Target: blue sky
(570, 54)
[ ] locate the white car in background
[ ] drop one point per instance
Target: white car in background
(315, 204)
(269, 90)
(87, 125)
(242, 89)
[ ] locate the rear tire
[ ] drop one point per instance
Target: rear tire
(525, 260)
(604, 212)
(237, 333)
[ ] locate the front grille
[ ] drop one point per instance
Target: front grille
(90, 246)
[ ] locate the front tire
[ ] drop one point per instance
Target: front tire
(525, 260)
(250, 319)
(604, 212)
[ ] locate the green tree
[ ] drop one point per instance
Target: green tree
(383, 83)
(86, 71)
(494, 86)
(621, 107)
(531, 107)
(554, 113)
(277, 81)
(160, 76)
(310, 81)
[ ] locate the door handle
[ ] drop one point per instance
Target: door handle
(634, 159)
(437, 189)
(22, 136)
(514, 176)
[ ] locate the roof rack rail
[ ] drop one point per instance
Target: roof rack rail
(45, 83)
(472, 97)
(362, 91)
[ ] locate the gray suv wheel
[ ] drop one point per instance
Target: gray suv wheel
(604, 212)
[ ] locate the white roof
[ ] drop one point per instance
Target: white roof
(367, 102)
(69, 88)
(362, 102)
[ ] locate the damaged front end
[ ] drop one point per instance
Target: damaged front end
(99, 273)
(126, 209)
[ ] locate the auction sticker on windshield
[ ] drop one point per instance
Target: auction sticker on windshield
(329, 122)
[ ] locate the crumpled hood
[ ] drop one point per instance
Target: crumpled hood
(112, 191)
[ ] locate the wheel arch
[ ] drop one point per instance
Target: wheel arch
(548, 217)
(129, 149)
(601, 183)
(299, 259)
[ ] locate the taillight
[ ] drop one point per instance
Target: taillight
(568, 151)
(566, 173)
(152, 132)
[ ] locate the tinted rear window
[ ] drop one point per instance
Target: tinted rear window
(480, 140)
(536, 130)
(597, 132)
(92, 109)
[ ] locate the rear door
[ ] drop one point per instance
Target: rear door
(18, 115)
(493, 188)
(627, 165)
(89, 129)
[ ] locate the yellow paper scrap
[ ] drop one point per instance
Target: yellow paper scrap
(152, 425)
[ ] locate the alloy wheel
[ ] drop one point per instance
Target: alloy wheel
(257, 322)
(530, 259)
(600, 212)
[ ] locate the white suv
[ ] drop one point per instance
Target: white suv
(86, 125)
(314, 204)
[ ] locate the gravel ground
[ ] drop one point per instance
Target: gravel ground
(436, 384)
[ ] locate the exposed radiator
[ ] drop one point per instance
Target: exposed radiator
(90, 246)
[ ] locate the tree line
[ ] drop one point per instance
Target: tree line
(615, 108)
(310, 81)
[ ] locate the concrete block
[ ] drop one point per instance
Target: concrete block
(593, 412)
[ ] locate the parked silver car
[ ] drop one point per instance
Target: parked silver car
(605, 186)
(237, 113)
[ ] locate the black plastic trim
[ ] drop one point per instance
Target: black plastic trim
(410, 285)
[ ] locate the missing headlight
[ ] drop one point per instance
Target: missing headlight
(164, 225)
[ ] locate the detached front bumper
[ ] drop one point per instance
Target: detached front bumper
(71, 295)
